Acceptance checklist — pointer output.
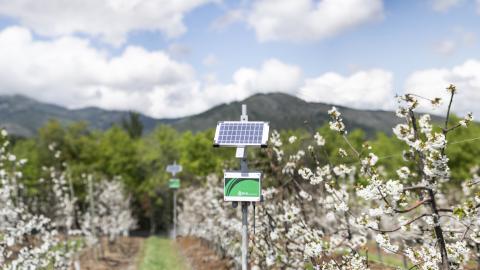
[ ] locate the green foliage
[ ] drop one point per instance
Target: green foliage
(198, 156)
(156, 151)
(141, 161)
(116, 155)
(161, 253)
(390, 153)
(133, 125)
(27, 149)
(463, 152)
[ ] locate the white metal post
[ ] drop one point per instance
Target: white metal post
(175, 214)
(244, 169)
(244, 235)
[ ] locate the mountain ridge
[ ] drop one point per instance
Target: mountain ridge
(23, 116)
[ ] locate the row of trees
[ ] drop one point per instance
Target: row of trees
(137, 162)
(328, 198)
(328, 193)
(140, 161)
(48, 231)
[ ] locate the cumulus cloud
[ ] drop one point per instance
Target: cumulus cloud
(370, 89)
(432, 83)
(307, 20)
(69, 71)
(110, 20)
(272, 76)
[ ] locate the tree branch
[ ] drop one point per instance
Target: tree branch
(397, 229)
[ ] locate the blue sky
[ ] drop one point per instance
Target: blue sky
(173, 58)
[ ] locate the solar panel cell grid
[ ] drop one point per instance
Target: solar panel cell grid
(238, 133)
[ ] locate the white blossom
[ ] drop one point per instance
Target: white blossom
(319, 139)
(384, 242)
(336, 122)
(403, 172)
(313, 250)
(424, 124)
(466, 120)
(305, 195)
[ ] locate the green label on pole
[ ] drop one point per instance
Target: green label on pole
(242, 187)
(174, 183)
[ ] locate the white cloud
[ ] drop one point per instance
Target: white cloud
(369, 89)
(307, 20)
(444, 5)
(432, 83)
(111, 20)
(273, 76)
(69, 71)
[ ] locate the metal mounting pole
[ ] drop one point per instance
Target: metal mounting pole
(242, 155)
(244, 116)
(175, 214)
(174, 209)
(244, 235)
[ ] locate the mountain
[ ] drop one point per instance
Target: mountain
(287, 112)
(23, 116)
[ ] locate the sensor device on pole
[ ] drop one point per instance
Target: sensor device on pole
(242, 186)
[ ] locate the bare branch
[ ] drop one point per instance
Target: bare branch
(397, 229)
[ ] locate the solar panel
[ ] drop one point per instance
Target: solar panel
(239, 133)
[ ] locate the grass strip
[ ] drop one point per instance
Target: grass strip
(161, 253)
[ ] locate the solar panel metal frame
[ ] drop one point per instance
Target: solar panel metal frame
(244, 140)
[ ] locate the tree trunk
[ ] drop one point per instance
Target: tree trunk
(438, 232)
(153, 222)
(477, 246)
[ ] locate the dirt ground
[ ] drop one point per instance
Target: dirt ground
(199, 256)
(127, 251)
(123, 255)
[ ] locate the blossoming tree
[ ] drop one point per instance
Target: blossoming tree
(323, 214)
